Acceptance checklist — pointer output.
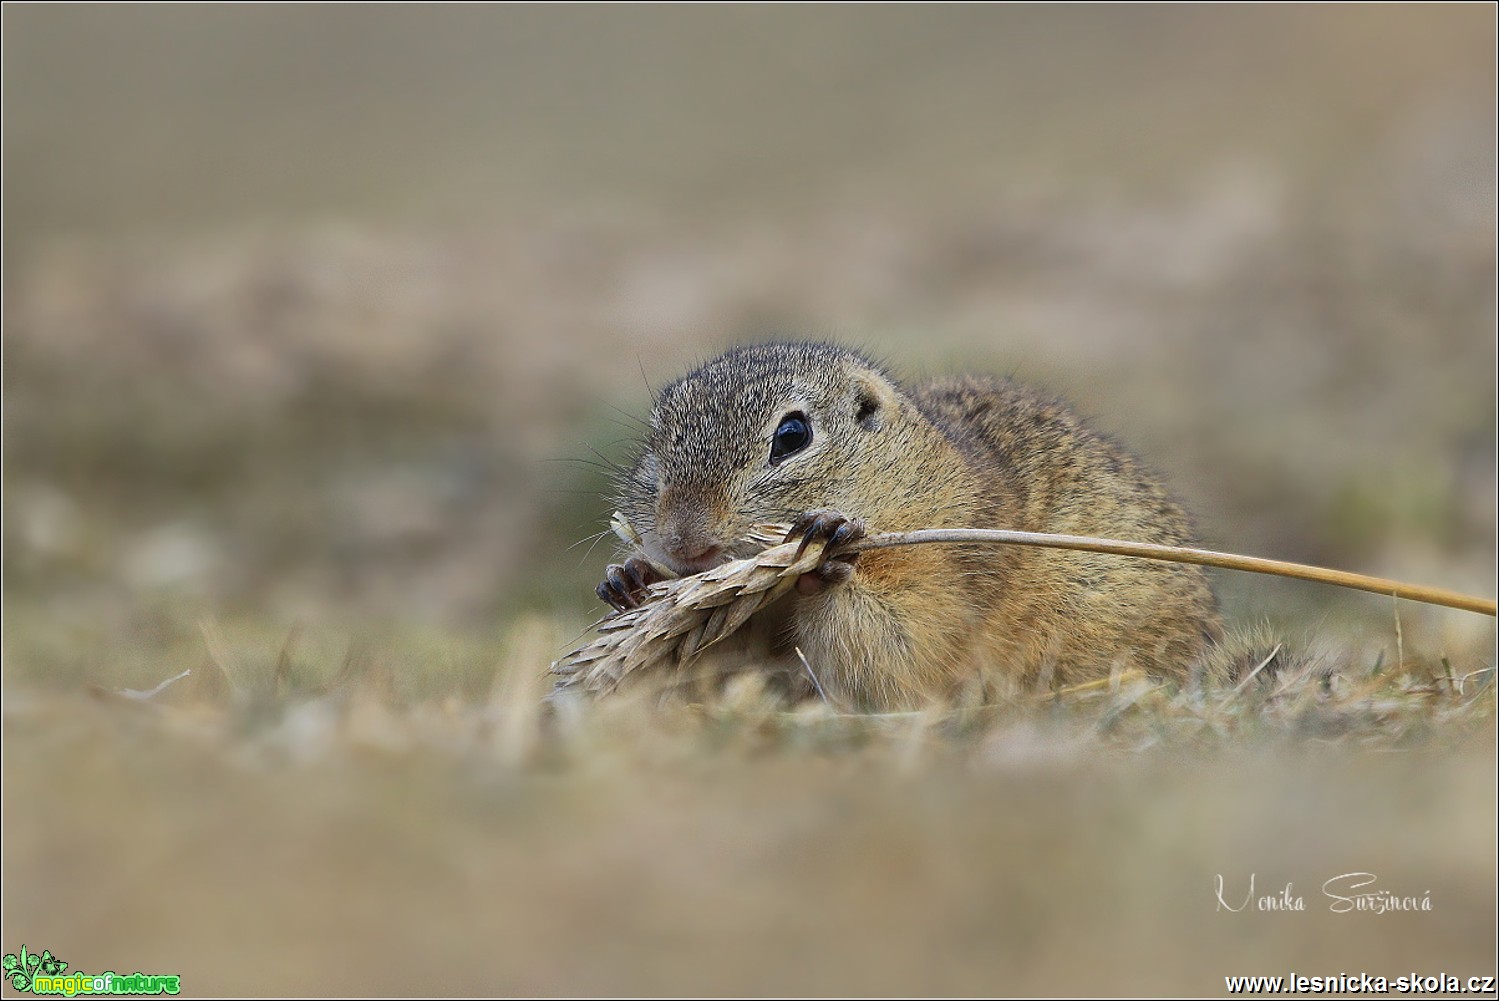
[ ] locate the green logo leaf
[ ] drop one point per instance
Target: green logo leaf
(22, 968)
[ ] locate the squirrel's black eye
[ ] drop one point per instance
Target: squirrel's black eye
(793, 435)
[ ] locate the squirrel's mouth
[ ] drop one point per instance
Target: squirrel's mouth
(685, 560)
(705, 560)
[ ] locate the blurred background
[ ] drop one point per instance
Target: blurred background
(320, 318)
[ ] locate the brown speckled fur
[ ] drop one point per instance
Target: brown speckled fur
(918, 623)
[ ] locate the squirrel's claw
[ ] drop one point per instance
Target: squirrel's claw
(834, 526)
(838, 529)
(624, 585)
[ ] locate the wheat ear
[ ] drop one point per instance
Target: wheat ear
(680, 618)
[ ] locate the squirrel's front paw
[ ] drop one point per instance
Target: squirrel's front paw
(625, 585)
(837, 529)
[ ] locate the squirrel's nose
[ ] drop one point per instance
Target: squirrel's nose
(687, 533)
(690, 548)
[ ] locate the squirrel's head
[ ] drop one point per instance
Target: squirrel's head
(760, 435)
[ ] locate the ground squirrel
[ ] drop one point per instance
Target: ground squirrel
(824, 439)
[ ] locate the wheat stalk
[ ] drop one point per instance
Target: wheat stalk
(1185, 554)
(683, 616)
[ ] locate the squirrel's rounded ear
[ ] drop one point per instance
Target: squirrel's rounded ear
(872, 396)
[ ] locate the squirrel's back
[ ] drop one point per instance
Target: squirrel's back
(1045, 470)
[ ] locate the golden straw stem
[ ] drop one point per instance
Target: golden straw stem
(1182, 554)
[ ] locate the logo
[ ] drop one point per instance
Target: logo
(46, 974)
